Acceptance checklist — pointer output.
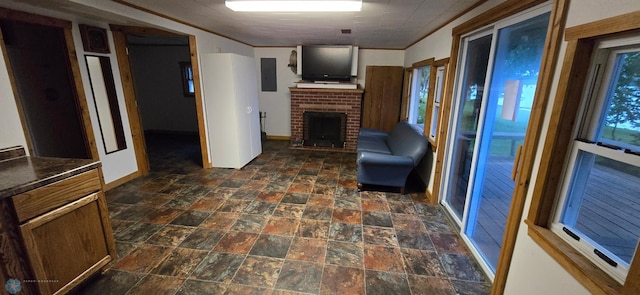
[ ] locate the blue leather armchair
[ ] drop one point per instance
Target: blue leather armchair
(387, 158)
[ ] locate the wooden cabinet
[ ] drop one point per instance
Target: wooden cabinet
(62, 227)
(65, 244)
(382, 97)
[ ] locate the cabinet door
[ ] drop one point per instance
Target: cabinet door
(66, 245)
(382, 97)
(246, 84)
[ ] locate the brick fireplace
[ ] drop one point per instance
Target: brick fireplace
(347, 101)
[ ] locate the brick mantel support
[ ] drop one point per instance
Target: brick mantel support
(347, 101)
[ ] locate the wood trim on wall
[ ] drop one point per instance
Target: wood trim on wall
(424, 63)
(621, 23)
(445, 109)
(559, 135)
(202, 125)
(406, 93)
(278, 137)
(501, 11)
(135, 121)
(16, 15)
(121, 180)
(125, 3)
(83, 106)
(428, 116)
(531, 142)
(455, 17)
(568, 98)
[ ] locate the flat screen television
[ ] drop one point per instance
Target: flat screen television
(326, 62)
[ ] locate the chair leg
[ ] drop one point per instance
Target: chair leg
(402, 190)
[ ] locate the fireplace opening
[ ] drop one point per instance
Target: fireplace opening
(326, 129)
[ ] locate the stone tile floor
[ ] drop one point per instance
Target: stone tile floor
(290, 222)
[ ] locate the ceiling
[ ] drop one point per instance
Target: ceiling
(383, 24)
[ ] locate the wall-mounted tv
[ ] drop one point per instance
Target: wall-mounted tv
(326, 62)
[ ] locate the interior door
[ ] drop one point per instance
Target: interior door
(495, 97)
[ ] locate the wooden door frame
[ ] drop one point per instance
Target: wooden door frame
(135, 121)
(74, 68)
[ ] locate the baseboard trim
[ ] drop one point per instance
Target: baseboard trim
(121, 180)
(429, 197)
(278, 137)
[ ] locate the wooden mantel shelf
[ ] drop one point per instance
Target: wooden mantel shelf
(333, 90)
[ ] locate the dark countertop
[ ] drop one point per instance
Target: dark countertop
(22, 174)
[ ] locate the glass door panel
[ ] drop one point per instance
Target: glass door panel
(466, 122)
(511, 89)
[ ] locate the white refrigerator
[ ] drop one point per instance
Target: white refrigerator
(230, 87)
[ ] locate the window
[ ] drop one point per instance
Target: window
(438, 74)
(419, 93)
(187, 79)
(435, 110)
(589, 164)
(600, 198)
(423, 88)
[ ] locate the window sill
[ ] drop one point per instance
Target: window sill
(432, 141)
(418, 126)
(581, 268)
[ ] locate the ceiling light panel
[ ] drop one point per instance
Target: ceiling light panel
(294, 5)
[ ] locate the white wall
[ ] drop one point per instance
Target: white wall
(10, 126)
(122, 163)
(158, 79)
(377, 57)
(114, 165)
(532, 270)
(277, 105)
(206, 42)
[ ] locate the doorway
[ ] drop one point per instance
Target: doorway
(46, 90)
(122, 37)
(492, 104)
(160, 68)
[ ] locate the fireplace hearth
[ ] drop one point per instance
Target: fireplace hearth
(341, 101)
(324, 129)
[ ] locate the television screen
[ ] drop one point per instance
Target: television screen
(326, 62)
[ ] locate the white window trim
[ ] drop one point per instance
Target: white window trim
(414, 95)
(590, 121)
(437, 98)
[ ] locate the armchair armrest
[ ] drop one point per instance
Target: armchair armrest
(371, 158)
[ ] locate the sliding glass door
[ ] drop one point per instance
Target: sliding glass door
(493, 100)
(471, 91)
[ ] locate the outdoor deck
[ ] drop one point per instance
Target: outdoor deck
(614, 217)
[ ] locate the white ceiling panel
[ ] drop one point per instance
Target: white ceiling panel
(381, 23)
(392, 24)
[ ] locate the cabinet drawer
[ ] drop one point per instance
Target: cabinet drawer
(54, 195)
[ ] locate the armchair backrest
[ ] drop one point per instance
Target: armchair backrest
(406, 140)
